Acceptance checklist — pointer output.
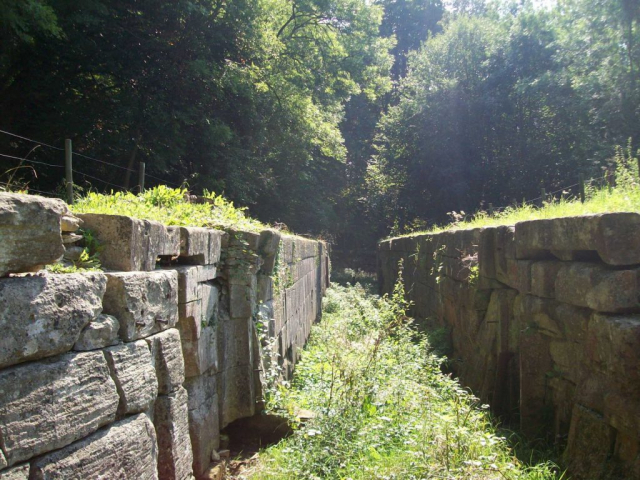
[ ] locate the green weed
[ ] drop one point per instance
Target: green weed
(170, 206)
(383, 408)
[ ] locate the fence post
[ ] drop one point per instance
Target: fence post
(582, 193)
(141, 177)
(68, 153)
(491, 209)
(543, 196)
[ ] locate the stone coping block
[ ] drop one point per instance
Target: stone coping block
(597, 287)
(43, 315)
(143, 302)
(49, 404)
(130, 244)
(131, 367)
(614, 236)
(30, 232)
(127, 449)
(200, 246)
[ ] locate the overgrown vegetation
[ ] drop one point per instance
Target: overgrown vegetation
(384, 409)
(624, 196)
(170, 206)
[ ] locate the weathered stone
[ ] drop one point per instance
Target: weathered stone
(72, 254)
(614, 348)
(543, 278)
(130, 244)
(200, 246)
(269, 243)
(43, 315)
(618, 238)
(70, 223)
(69, 238)
(241, 301)
(590, 443)
(127, 449)
(166, 351)
(560, 234)
(49, 404)
(596, 287)
(535, 364)
(143, 302)
(203, 419)
(487, 253)
(19, 472)
(171, 419)
(132, 369)
(3, 460)
(30, 232)
(100, 333)
(201, 352)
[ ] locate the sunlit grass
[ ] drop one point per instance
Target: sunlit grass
(170, 207)
(384, 409)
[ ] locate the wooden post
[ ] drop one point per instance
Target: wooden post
(68, 153)
(543, 196)
(491, 209)
(582, 192)
(141, 177)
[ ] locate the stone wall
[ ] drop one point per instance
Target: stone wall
(543, 320)
(132, 372)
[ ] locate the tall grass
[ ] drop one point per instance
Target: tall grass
(624, 196)
(384, 409)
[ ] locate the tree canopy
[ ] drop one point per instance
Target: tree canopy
(346, 117)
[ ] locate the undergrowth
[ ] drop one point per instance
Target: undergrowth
(383, 408)
(170, 206)
(624, 196)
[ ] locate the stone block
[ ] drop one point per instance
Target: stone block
(204, 428)
(242, 298)
(593, 286)
(171, 420)
(200, 246)
(618, 238)
(100, 333)
(201, 352)
(237, 393)
(43, 315)
(49, 404)
(613, 347)
(130, 244)
(590, 444)
(30, 232)
(487, 253)
(535, 399)
(166, 352)
(143, 302)
(269, 248)
(19, 472)
(543, 278)
(131, 367)
(127, 449)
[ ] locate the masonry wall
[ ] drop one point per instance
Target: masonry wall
(544, 325)
(132, 372)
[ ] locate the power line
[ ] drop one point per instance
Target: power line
(102, 161)
(98, 179)
(31, 140)
(30, 161)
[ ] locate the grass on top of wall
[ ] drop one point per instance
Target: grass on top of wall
(384, 409)
(170, 207)
(623, 197)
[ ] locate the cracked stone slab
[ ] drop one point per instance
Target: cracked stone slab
(43, 315)
(132, 369)
(49, 404)
(143, 302)
(127, 449)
